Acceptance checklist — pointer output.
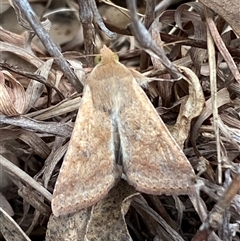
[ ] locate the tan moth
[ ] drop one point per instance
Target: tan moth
(113, 102)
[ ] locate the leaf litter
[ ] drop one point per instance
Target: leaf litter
(39, 101)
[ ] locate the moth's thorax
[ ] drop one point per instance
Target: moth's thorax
(110, 85)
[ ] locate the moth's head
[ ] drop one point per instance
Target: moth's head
(106, 56)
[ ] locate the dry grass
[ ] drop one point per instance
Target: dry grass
(39, 99)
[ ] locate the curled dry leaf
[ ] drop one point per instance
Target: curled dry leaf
(191, 107)
(12, 95)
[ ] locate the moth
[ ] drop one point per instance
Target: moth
(151, 160)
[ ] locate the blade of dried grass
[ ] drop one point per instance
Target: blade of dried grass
(159, 207)
(227, 133)
(35, 89)
(61, 108)
(35, 142)
(5, 205)
(34, 200)
(230, 120)
(10, 229)
(143, 208)
(221, 46)
(185, 61)
(198, 202)
(52, 161)
(165, 88)
(29, 137)
(233, 126)
(22, 53)
(35, 220)
(17, 172)
(25, 62)
(222, 99)
(213, 86)
(235, 87)
(55, 128)
(198, 29)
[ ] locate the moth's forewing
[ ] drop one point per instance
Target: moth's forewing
(88, 170)
(152, 160)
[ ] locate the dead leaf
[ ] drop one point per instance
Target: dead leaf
(228, 10)
(107, 220)
(12, 95)
(71, 227)
(191, 107)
